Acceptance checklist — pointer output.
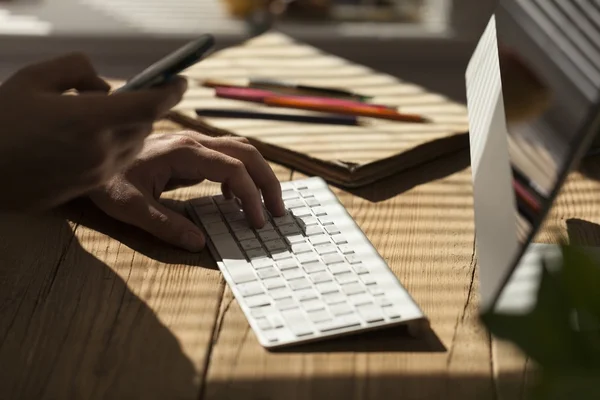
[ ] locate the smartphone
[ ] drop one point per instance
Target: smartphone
(171, 65)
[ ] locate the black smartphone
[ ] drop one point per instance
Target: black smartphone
(169, 66)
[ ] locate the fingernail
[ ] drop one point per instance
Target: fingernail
(193, 241)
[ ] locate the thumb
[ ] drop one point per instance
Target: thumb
(169, 226)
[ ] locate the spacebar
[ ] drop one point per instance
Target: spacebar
(227, 247)
(339, 323)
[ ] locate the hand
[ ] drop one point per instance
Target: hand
(55, 146)
(174, 160)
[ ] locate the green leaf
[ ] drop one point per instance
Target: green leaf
(582, 280)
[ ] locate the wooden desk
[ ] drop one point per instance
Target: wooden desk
(91, 308)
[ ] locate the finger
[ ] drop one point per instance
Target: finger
(123, 109)
(166, 224)
(72, 71)
(195, 162)
(257, 167)
(227, 193)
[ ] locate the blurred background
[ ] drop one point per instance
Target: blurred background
(427, 42)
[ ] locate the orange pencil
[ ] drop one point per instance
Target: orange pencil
(356, 110)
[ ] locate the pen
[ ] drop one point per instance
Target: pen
(364, 111)
(311, 119)
(259, 96)
(303, 89)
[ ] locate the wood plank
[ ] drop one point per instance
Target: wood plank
(426, 235)
(98, 309)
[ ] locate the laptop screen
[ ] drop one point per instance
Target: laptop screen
(532, 88)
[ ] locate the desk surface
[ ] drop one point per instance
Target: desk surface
(91, 308)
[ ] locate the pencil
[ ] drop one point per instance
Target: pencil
(310, 119)
(364, 111)
(304, 89)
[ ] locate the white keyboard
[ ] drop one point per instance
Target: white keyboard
(309, 275)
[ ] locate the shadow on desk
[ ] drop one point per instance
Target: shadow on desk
(387, 340)
(70, 327)
(397, 184)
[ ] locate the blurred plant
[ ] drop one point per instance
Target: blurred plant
(562, 332)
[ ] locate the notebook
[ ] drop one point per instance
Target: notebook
(349, 156)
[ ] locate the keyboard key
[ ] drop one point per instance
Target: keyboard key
(346, 321)
(332, 229)
(285, 220)
(370, 312)
(326, 249)
(235, 216)
(201, 201)
(275, 245)
(250, 289)
(339, 268)
(305, 193)
(353, 259)
(286, 304)
(326, 220)
(258, 301)
(289, 230)
(306, 258)
(263, 324)
(332, 258)
(210, 218)
(301, 212)
(227, 248)
(293, 239)
(297, 322)
(301, 248)
(266, 273)
(239, 225)
(313, 267)
(327, 287)
(255, 254)
(207, 209)
(341, 240)
(266, 227)
(312, 305)
(274, 283)
(280, 293)
(334, 297)
(319, 239)
(347, 277)
(319, 316)
(390, 312)
(266, 236)
(220, 199)
(293, 273)
(360, 269)
(258, 312)
(262, 263)
(312, 202)
(307, 221)
(319, 211)
(294, 203)
(375, 290)
(250, 244)
(299, 284)
(216, 228)
(367, 279)
(341, 309)
(275, 321)
(289, 194)
(288, 263)
(321, 277)
(245, 234)
(313, 230)
(280, 255)
(229, 207)
(353, 288)
(300, 186)
(359, 299)
(383, 301)
(307, 293)
(271, 336)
